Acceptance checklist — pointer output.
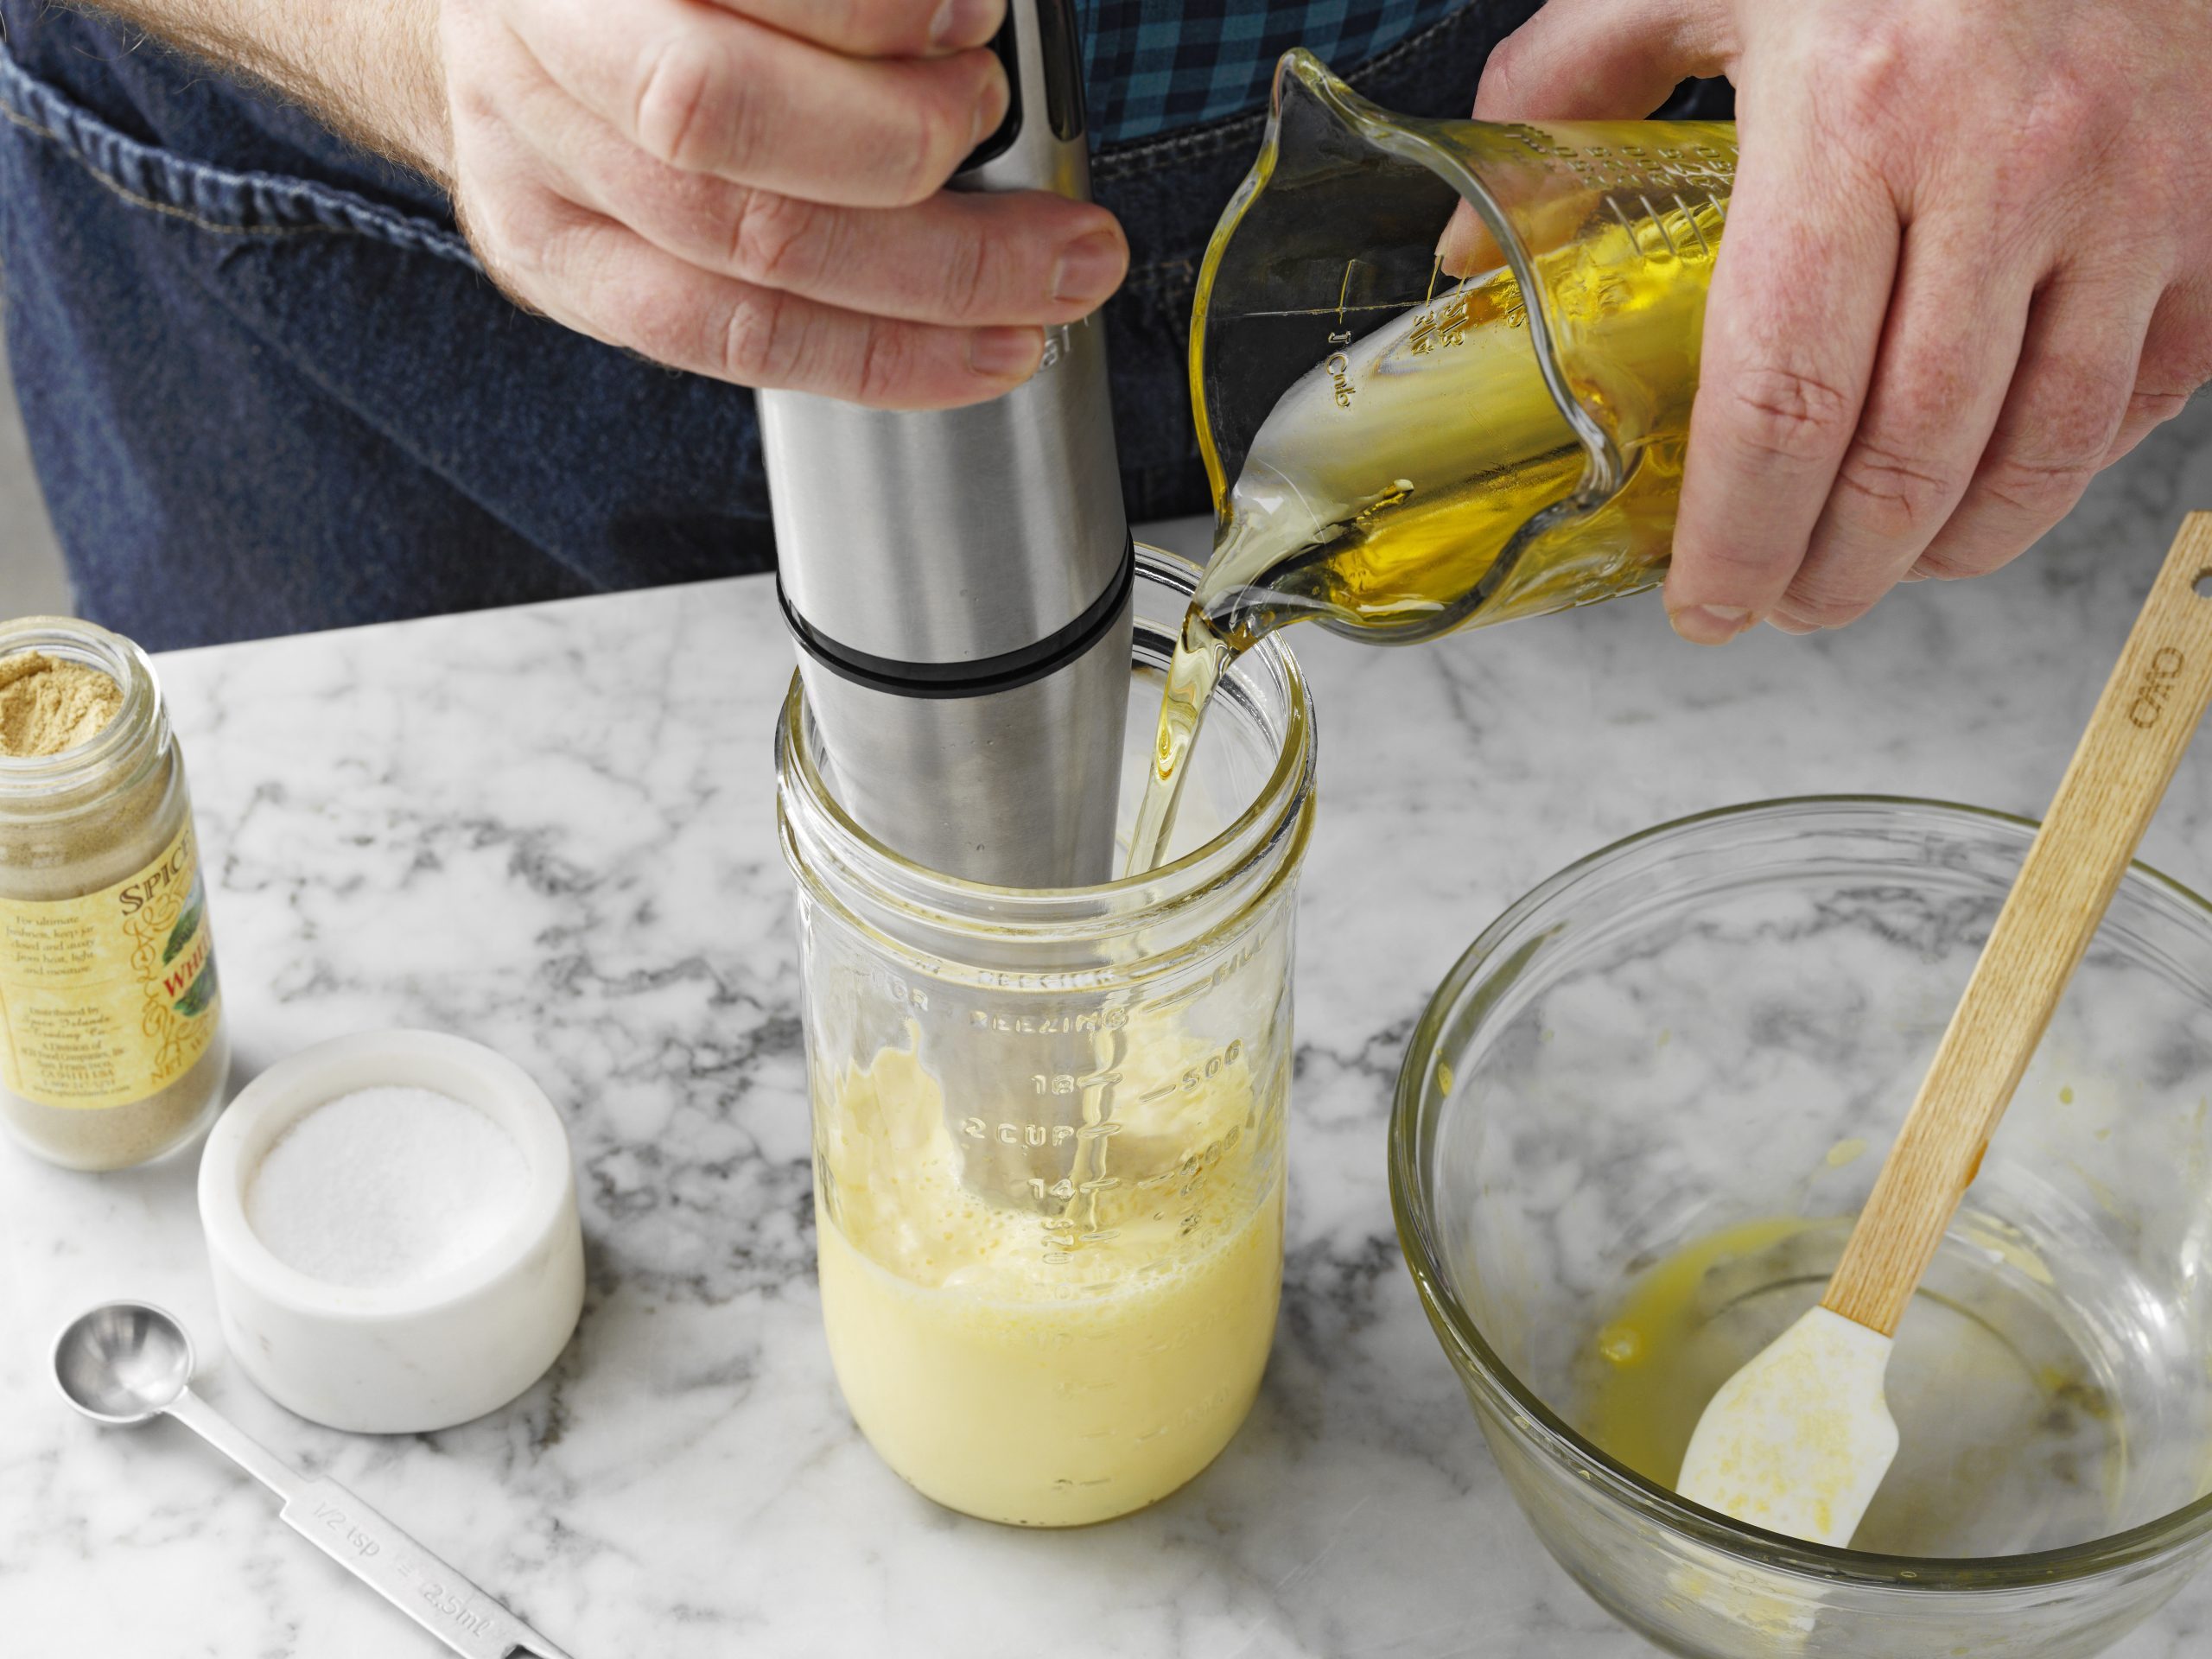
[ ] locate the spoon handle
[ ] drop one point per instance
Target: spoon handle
(2143, 722)
(372, 1549)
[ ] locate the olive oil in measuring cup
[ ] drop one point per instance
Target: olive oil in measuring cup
(1397, 451)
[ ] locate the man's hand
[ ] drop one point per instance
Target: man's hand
(753, 189)
(1967, 265)
(750, 190)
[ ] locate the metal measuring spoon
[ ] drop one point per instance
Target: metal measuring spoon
(123, 1364)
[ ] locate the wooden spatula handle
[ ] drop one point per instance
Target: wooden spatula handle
(2144, 720)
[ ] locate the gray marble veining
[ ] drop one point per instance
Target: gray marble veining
(552, 831)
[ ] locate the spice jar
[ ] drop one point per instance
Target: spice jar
(1048, 1125)
(112, 1049)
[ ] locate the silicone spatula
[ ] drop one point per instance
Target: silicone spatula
(1798, 1441)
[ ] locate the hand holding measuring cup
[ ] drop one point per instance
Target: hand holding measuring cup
(1966, 269)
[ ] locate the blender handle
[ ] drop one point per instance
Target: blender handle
(1000, 138)
(1045, 116)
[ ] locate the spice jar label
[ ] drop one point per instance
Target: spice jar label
(107, 998)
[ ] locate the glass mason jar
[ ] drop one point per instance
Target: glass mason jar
(113, 1049)
(1048, 1125)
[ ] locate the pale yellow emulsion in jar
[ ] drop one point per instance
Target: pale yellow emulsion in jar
(1048, 1124)
(1060, 1392)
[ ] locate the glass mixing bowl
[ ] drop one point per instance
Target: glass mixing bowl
(1629, 1138)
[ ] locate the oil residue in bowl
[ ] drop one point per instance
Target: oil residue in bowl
(2008, 1440)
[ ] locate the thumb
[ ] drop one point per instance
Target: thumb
(1604, 59)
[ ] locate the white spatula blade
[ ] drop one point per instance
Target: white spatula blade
(1798, 1441)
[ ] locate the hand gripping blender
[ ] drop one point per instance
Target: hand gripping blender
(959, 581)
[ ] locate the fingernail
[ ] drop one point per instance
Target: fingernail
(1791, 626)
(1089, 269)
(1005, 353)
(964, 22)
(1710, 625)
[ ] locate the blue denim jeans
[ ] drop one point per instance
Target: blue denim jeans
(269, 389)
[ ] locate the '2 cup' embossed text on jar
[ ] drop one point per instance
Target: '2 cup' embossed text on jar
(112, 1049)
(1048, 1126)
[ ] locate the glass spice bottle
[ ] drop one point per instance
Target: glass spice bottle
(113, 1047)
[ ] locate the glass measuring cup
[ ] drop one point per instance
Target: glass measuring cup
(1416, 415)
(1048, 1124)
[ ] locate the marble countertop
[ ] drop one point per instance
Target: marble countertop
(551, 829)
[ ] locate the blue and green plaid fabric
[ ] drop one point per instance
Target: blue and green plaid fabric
(1151, 66)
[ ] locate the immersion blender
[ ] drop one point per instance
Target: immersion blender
(959, 581)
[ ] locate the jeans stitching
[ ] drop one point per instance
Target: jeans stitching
(331, 210)
(116, 187)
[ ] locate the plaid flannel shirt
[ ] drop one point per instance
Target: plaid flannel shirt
(1151, 66)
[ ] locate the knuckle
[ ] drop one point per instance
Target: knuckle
(1506, 70)
(777, 241)
(946, 98)
(1823, 602)
(968, 278)
(2067, 120)
(2155, 407)
(886, 365)
(2040, 470)
(2075, 420)
(2039, 489)
(940, 127)
(672, 92)
(681, 100)
(1787, 414)
(762, 343)
(1869, 69)
(1893, 491)
(2042, 475)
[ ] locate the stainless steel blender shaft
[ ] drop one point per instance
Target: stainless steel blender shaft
(959, 581)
